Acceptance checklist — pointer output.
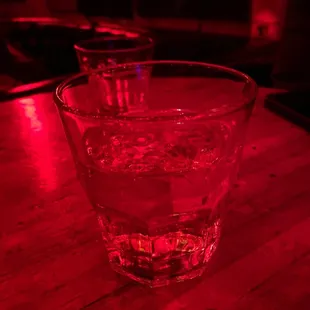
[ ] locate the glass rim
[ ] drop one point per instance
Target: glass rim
(247, 80)
(150, 44)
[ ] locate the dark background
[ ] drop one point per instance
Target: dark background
(49, 49)
(236, 10)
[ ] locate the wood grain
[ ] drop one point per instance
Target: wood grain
(50, 245)
(52, 256)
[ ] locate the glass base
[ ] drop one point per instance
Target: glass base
(158, 281)
(167, 257)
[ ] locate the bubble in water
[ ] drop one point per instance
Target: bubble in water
(97, 143)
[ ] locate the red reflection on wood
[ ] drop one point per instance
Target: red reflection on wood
(37, 139)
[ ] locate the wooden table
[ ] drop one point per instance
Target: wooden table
(52, 256)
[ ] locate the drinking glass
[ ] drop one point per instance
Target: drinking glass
(100, 52)
(157, 168)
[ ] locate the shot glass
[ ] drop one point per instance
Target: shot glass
(101, 52)
(158, 178)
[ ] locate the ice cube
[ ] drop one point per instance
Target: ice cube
(192, 147)
(189, 192)
(145, 197)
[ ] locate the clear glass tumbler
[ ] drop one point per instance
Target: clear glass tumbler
(158, 167)
(101, 52)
